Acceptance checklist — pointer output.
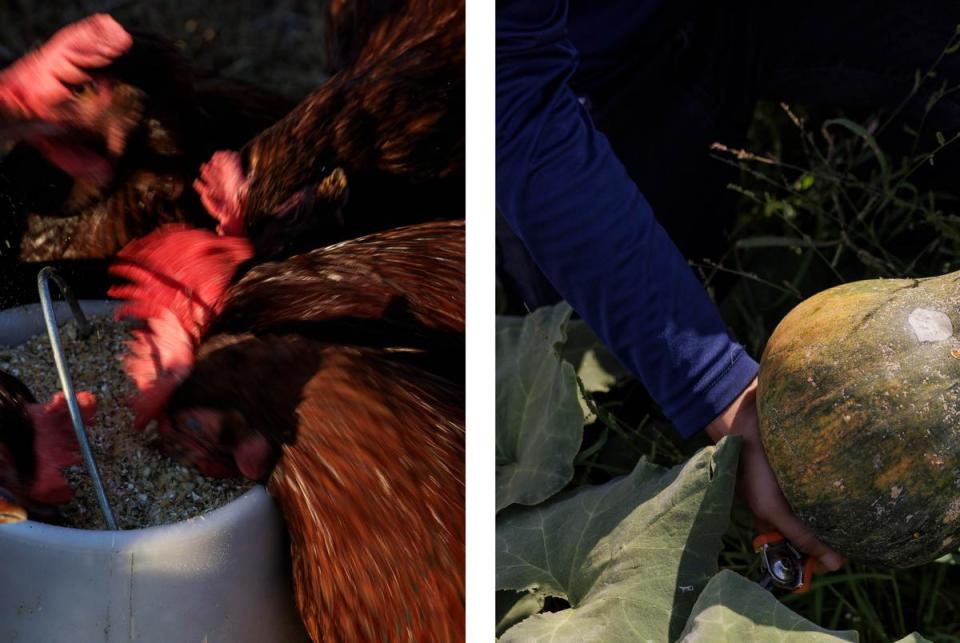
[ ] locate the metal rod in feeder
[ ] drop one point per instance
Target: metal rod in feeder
(46, 303)
(83, 326)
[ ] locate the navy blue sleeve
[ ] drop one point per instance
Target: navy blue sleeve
(593, 234)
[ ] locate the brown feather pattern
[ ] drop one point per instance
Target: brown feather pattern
(377, 473)
(415, 271)
(393, 121)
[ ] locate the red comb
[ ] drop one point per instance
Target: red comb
(55, 445)
(160, 356)
(177, 277)
(35, 85)
(150, 402)
(163, 348)
(222, 187)
(180, 269)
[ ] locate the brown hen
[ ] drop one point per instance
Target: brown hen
(390, 125)
(337, 376)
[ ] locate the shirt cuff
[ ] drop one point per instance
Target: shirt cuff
(718, 394)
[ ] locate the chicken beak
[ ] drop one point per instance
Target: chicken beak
(10, 512)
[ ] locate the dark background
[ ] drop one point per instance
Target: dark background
(278, 45)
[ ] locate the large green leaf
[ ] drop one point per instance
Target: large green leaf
(733, 609)
(595, 365)
(539, 421)
(630, 556)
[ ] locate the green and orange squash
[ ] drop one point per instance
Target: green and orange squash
(859, 403)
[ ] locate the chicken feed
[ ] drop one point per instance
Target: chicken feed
(145, 487)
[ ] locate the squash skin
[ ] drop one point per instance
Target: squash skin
(860, 419)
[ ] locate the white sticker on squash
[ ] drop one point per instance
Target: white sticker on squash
(930, 325)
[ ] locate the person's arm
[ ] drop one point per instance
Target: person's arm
(593, 234)
(585, 223)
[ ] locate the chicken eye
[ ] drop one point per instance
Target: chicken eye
(193, 424)
(82, 88)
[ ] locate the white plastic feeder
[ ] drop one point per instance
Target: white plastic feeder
(221, 577)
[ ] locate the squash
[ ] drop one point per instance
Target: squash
(859, 406)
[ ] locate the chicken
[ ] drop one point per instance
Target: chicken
(368, 474)
(35, 93)
(337, 377)
(390, 124)
(114, 154)
(36, 442)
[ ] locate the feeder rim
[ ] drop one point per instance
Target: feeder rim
(225, 514)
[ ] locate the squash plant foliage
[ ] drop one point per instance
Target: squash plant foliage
(632, 559)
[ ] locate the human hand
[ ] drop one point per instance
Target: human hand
(757, 484)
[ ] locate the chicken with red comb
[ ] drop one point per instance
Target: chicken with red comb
(109, 159)
(37, 93)
(36, 442)
(38, 87)
(335, 376)
(177, 278)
